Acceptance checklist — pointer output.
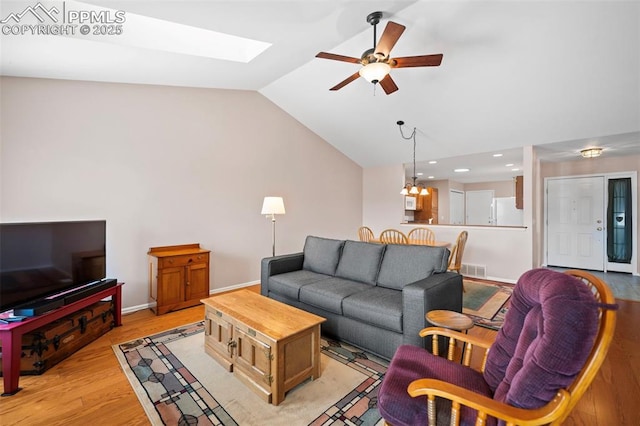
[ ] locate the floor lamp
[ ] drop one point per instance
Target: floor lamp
(271, 207)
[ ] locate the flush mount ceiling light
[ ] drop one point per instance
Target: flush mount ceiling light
(412, 189)
(591, 152)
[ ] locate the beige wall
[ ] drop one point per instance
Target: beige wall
(505, 188)
(166, 166)
(383, 206)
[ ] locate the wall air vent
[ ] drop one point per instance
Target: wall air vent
(475, 271)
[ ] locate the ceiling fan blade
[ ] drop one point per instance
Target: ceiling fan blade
(418, 61)
(325, 55)
(388, 85)
(346, 81)
(390, 36)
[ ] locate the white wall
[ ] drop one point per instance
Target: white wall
(167, 166)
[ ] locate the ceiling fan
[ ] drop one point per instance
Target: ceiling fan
(376, 62)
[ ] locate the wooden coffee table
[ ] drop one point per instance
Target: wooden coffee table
(268, 345)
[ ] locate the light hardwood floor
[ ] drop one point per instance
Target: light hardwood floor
(90, 388)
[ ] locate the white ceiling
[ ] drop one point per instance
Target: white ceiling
(514, 73)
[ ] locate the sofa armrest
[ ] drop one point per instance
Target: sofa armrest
(278, 265)
(439, 291)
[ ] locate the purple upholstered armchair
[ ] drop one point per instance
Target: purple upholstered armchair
(554, 339)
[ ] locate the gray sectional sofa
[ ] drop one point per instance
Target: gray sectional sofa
(374, 296)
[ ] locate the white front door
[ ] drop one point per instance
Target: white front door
(575, 222)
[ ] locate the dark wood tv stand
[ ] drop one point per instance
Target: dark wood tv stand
(11, 334)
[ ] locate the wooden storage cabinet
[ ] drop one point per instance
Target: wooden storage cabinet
(269, 346)
(178, 276)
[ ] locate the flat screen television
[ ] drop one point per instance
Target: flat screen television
(39, 260)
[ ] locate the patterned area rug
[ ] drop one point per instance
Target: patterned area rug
(486, 303)
(179, 384)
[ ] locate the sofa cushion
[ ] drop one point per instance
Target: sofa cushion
(288, 284)
(378, 306)
(321, 255)
(405, 264)
(328, 294)
(360, 261)
(547, 335)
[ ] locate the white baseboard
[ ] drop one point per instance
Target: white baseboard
(234, 287)
(502, 280)
(132, 309)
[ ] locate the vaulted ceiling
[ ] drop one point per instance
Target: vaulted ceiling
(514, 73)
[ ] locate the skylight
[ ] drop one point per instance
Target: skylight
(157, 34)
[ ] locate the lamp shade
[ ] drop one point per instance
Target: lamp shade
(273, 205)
(374, 72)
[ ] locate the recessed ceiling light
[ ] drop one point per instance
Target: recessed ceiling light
(460, 170)
(497, 155)
(431, 177)
(433, 162)
(509, 165)
(515, 170)
(419, 174)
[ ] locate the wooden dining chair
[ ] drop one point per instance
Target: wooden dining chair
(421, 236)
(365, 234)
(393, 236)
(455, 259)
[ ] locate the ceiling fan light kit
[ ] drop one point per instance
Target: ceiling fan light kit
(374, 72)
(376, 62)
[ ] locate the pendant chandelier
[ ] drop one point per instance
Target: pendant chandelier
(409, 188)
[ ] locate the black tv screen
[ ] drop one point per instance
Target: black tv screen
(39, 260)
